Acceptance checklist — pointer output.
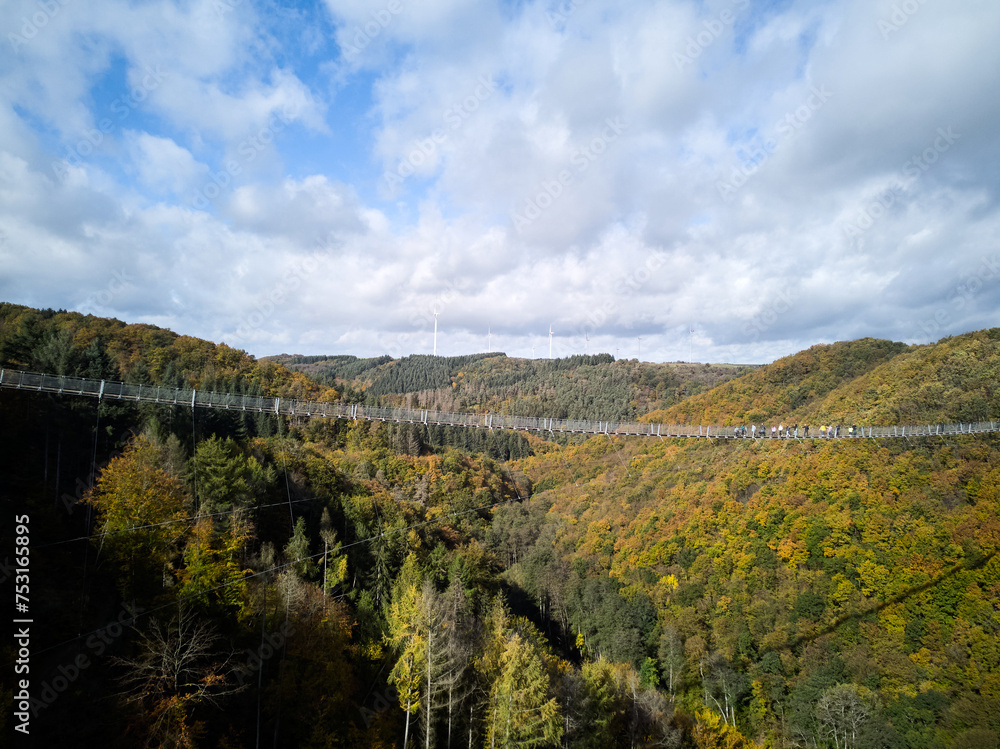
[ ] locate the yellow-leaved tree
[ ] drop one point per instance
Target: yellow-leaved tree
(137, 503)
(408, 638)
(520, 712)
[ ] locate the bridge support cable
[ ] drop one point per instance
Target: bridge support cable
(89, 518)
(628, 474)
(510, 474)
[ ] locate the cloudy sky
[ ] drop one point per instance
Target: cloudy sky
(732, 180)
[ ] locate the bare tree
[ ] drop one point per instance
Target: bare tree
(576, 705)
(722, 684)
(842, 712)
(671, 652)
(658, 713)
(176, 669)
(650, 713)
(436, 655)
(459, 645)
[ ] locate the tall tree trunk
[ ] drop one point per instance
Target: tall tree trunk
(429, 699)
(406, 730)
(451, 705)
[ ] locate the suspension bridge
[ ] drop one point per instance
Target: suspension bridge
(189, 397)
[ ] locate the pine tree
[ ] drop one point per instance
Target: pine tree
(520, 713)
(406, 637)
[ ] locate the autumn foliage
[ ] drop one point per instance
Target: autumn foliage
(341, 584)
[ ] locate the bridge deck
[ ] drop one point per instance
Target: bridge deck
(101, 389)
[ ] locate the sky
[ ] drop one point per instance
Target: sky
(723, 180)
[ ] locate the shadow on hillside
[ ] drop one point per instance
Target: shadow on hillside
(858, 615)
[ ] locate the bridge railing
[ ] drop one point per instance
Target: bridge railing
(49, 383)
(207, 399)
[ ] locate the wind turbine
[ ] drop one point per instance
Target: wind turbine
(586, 345)
(639, 339)
(435, 331)
(550, 341)
(489, 339)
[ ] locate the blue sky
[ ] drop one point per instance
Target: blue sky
(322, 177)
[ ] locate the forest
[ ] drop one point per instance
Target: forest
(576, 387)
(222, 579)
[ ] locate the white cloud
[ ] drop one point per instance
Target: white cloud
(233, 113)
(828, 231)
(312, 209)
(162, 165)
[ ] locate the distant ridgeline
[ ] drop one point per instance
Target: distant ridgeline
(867, 382)
(574, 387)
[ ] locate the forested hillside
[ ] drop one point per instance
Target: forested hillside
(68, 343)
(592, 387)
(780, 389)
(954, 380)
(811, 594)
(217, 579)
(863, 382)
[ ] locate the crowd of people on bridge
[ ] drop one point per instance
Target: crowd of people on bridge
(780, 431)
